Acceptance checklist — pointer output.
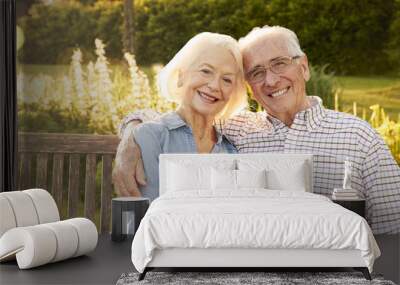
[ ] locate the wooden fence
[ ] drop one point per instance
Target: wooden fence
(68, 166)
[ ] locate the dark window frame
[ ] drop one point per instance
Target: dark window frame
(8, 96)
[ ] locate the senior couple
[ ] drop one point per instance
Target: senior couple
(207, 78)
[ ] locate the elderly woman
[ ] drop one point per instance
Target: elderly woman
(206, 79)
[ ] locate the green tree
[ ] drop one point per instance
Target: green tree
(354, 37)
(52, 32)
(349, 35)
(393, 45)
(129, 31)
(47, 35)
(163, 27)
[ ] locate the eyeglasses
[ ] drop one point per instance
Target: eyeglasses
(277, 66)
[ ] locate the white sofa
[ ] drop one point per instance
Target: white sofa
(31, 231)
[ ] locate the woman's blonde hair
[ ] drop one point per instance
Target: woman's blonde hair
(169, 75)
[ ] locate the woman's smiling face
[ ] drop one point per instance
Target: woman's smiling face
(208, 83)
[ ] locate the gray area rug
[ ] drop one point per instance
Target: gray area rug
(243, 278)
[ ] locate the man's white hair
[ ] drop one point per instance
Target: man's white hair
(292, 42)
(169, 75)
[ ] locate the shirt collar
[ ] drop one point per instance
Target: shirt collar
(274, 121)
(220, 135)
(312, 116)
(174, 121)
(315, 114)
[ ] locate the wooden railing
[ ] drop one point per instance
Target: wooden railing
(66, 165)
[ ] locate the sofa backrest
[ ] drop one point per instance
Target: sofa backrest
(26, 208)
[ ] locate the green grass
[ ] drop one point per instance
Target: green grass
(367, 91)
(360, 83)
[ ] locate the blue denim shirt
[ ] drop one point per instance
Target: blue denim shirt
(169, 134)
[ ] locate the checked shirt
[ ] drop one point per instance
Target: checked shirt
(332, 137)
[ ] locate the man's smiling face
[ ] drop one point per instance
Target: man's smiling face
(284, 94)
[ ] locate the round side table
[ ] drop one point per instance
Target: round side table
(127, 212)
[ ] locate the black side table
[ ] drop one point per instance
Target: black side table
(127, 212)
(357, 205)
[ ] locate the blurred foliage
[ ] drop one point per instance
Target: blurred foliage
(323, 85)
(350, 36)
(52, 32)
(393, 45)
(388, 129)
(353, 37)
(85, 98)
